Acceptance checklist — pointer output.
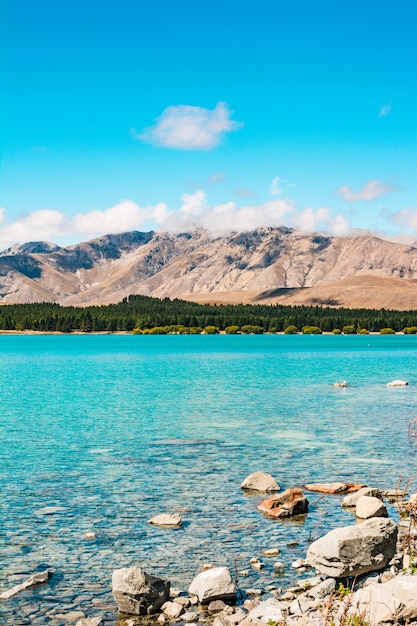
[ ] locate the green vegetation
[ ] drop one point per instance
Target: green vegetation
(387, 331)
(145, 314)
(349, 330)
(291, 330)
(311, 330)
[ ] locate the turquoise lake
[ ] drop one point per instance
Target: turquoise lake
(113, 429)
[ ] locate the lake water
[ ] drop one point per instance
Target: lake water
(114, 429)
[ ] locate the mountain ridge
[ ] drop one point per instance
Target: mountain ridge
(265, 265)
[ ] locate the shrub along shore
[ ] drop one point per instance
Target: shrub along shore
(146, 315)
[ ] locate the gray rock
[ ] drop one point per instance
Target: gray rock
(397, 383)
(89, 621)
(216, 606)
(368, 506)
(354, 550)
(271, 609)
(138, 593)
(172, 609)
(393, 601)
(352, 498)
(260, 481)
(323, 589)
(189, 617)
(213, 584)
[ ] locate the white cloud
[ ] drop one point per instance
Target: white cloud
(310, 220)
(48, 224)
(190, 128)
(369, 191)
(405, 217)
(274, 187)
(385, 110)
(194, 212)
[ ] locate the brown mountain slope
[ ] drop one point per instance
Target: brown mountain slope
(264, 265)
(355, 292)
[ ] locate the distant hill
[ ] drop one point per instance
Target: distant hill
(266, 265)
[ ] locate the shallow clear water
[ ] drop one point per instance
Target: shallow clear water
(115, 429)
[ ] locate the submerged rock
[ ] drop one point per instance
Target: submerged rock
(138, 593)
(335, 487)
(260, 481)
(355, 550)
(35, 579)
(290, 502)
(213, 584)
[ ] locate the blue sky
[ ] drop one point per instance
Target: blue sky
(227, 114)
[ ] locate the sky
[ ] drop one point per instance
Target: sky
(120, 115)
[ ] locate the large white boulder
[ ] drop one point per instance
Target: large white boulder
(394, 601)
(354, 550)
(213, 584)
(138, 593)
(260, 481)
(397, 383)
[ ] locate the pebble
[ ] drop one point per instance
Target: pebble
(271, 552)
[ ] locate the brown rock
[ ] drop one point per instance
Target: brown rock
(290, 502)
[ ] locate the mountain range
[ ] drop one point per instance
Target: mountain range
(265, 265)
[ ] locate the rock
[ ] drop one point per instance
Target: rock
(336, 487)
(161, 619)
(216, 606)
(397, 383)
(308, 583)
(213, 584)
(271, 552)
(254, 592)
(290, 502)
(237, 616)
(138, 593)
(35, 579)
(323, 589)
(185, 602)
(300, 564)
(190, 617)
(166, 519)
(70, 617)
(279, 565)
(89, 621)
(394, 601)
(260, 481)
(352, 499)
(90, 535)
(256, 563)
(172, 609)
(368, 506)
(269, 610)
(354, 550)
(342, 384)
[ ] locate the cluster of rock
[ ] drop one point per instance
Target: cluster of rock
(383, 590)
(372, 560)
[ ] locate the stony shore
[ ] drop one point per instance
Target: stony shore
(363, 574)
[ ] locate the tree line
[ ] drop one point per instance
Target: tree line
(143, 313)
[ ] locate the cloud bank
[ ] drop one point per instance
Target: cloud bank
(194, 212)
(369, 191)
(187, 127)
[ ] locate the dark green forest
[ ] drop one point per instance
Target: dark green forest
(155, 316)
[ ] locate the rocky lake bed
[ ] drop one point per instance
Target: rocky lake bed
(361, 574)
